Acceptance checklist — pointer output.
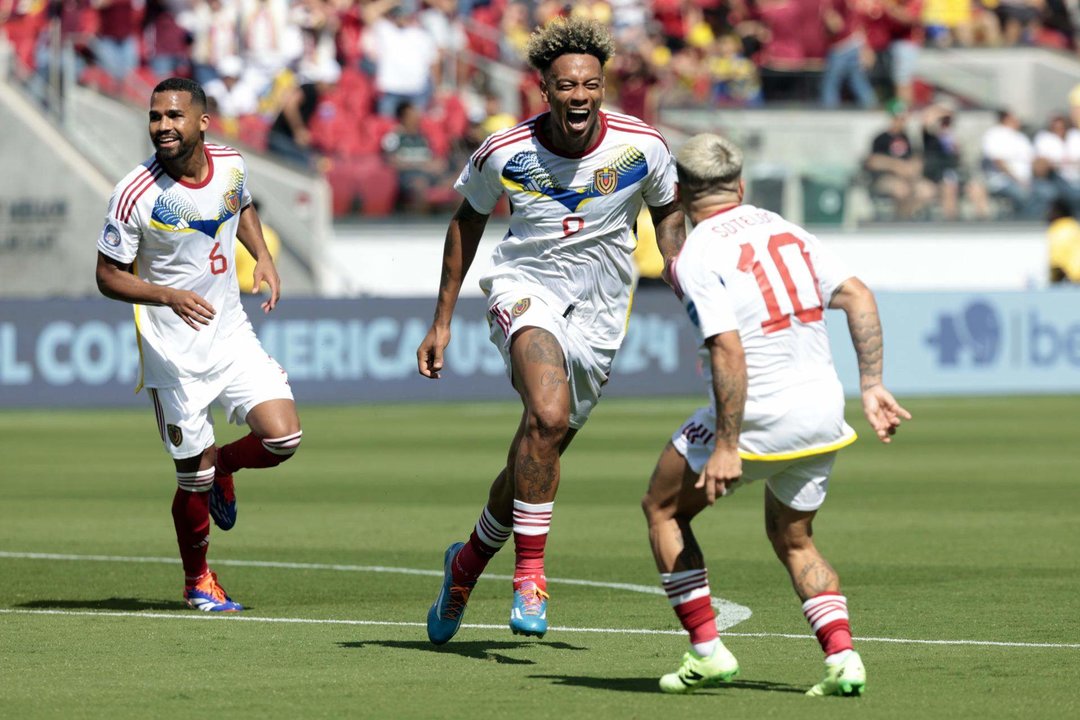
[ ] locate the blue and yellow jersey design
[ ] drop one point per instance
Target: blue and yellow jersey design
(525, 172)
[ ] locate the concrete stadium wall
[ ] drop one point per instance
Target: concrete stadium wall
(52, 205)
(64, 353)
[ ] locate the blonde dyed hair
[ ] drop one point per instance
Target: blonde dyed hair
(568, 36)
(709, 165)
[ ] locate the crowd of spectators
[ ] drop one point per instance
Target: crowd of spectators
(351, 87)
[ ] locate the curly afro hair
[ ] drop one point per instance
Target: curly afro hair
(566, 36)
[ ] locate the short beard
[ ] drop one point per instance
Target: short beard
(182, 154)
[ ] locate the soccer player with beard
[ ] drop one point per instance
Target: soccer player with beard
(558, 290)
(756, 286)
(167, 247)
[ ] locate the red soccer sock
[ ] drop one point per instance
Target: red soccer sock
(688, 593)
(531, 524)
(828, 617)
(249, 451)
(191, 517)
(487, 538)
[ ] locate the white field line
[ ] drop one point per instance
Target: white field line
(718, 603)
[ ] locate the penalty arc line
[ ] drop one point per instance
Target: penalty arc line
(718, 603)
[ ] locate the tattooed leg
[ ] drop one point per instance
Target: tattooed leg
(791, 533)
(539, 368)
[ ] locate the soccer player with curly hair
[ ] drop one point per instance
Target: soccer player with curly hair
(558, 290)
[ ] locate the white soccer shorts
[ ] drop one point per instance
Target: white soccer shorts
(183, 411)
(799, 483)
(588, 367)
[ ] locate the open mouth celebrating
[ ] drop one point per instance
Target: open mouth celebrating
(577, 119)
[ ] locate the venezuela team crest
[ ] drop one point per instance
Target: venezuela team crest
(176, 436)
(606, 180)
(520, 307)
(232, 202)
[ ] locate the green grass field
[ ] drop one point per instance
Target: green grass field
(958, 547)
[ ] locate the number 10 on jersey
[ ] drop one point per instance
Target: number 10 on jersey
(749, 262)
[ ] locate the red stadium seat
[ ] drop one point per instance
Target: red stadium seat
(365, 182)
(254, 130)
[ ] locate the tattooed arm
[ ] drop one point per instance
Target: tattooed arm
(880, 407)
(729, 388)
(670, 224)
(462, 239)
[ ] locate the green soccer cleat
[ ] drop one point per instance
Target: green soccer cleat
(697, 672)
(847, 678)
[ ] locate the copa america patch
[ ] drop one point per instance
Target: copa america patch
(606, 180)
(112, 235)
(232, 201)
(520, 307)
(176, 436)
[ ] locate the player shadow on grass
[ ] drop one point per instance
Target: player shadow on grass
(651, 684)
(477, 649)
(114, 603)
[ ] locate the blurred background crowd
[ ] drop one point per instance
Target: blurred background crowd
(387, 98)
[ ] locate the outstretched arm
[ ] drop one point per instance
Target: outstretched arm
(114, 280)
(670, 227)
(880, 407)
(462, 239)
(729, 388)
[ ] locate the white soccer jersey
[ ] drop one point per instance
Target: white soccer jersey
(749, 270)
(183, 236)
(572, 216)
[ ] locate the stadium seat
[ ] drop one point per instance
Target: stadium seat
(365, 183)
(253, 130)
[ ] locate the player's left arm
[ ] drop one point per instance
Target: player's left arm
(882, 410)
(249, 233)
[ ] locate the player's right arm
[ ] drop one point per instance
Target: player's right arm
(729, 382)
(880, 407)
(116, 281)
(462, 239)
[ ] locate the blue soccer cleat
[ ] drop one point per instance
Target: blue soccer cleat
(444, 617)
(528, 614)
(208, 596)
(223, 501)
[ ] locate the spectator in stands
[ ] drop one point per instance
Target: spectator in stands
(1019, 20)
(230, 96)
(514, 29)
(733, 76)
(212, 25)
(290, 135)
(793, 49)
(268, 41)
(406, 61)
(165, 42)
(635, 85)
(494, 117)
(847, 50)
(1059, 147)
(905, 37)
(1058, 28)
(116, 44)
(409, 152)
(1063, 235)
(1010, 166)
(896, 171)
(942, 164)
(447, 30)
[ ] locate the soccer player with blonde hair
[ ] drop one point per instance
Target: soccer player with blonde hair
(558, 289)
(756, 286)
